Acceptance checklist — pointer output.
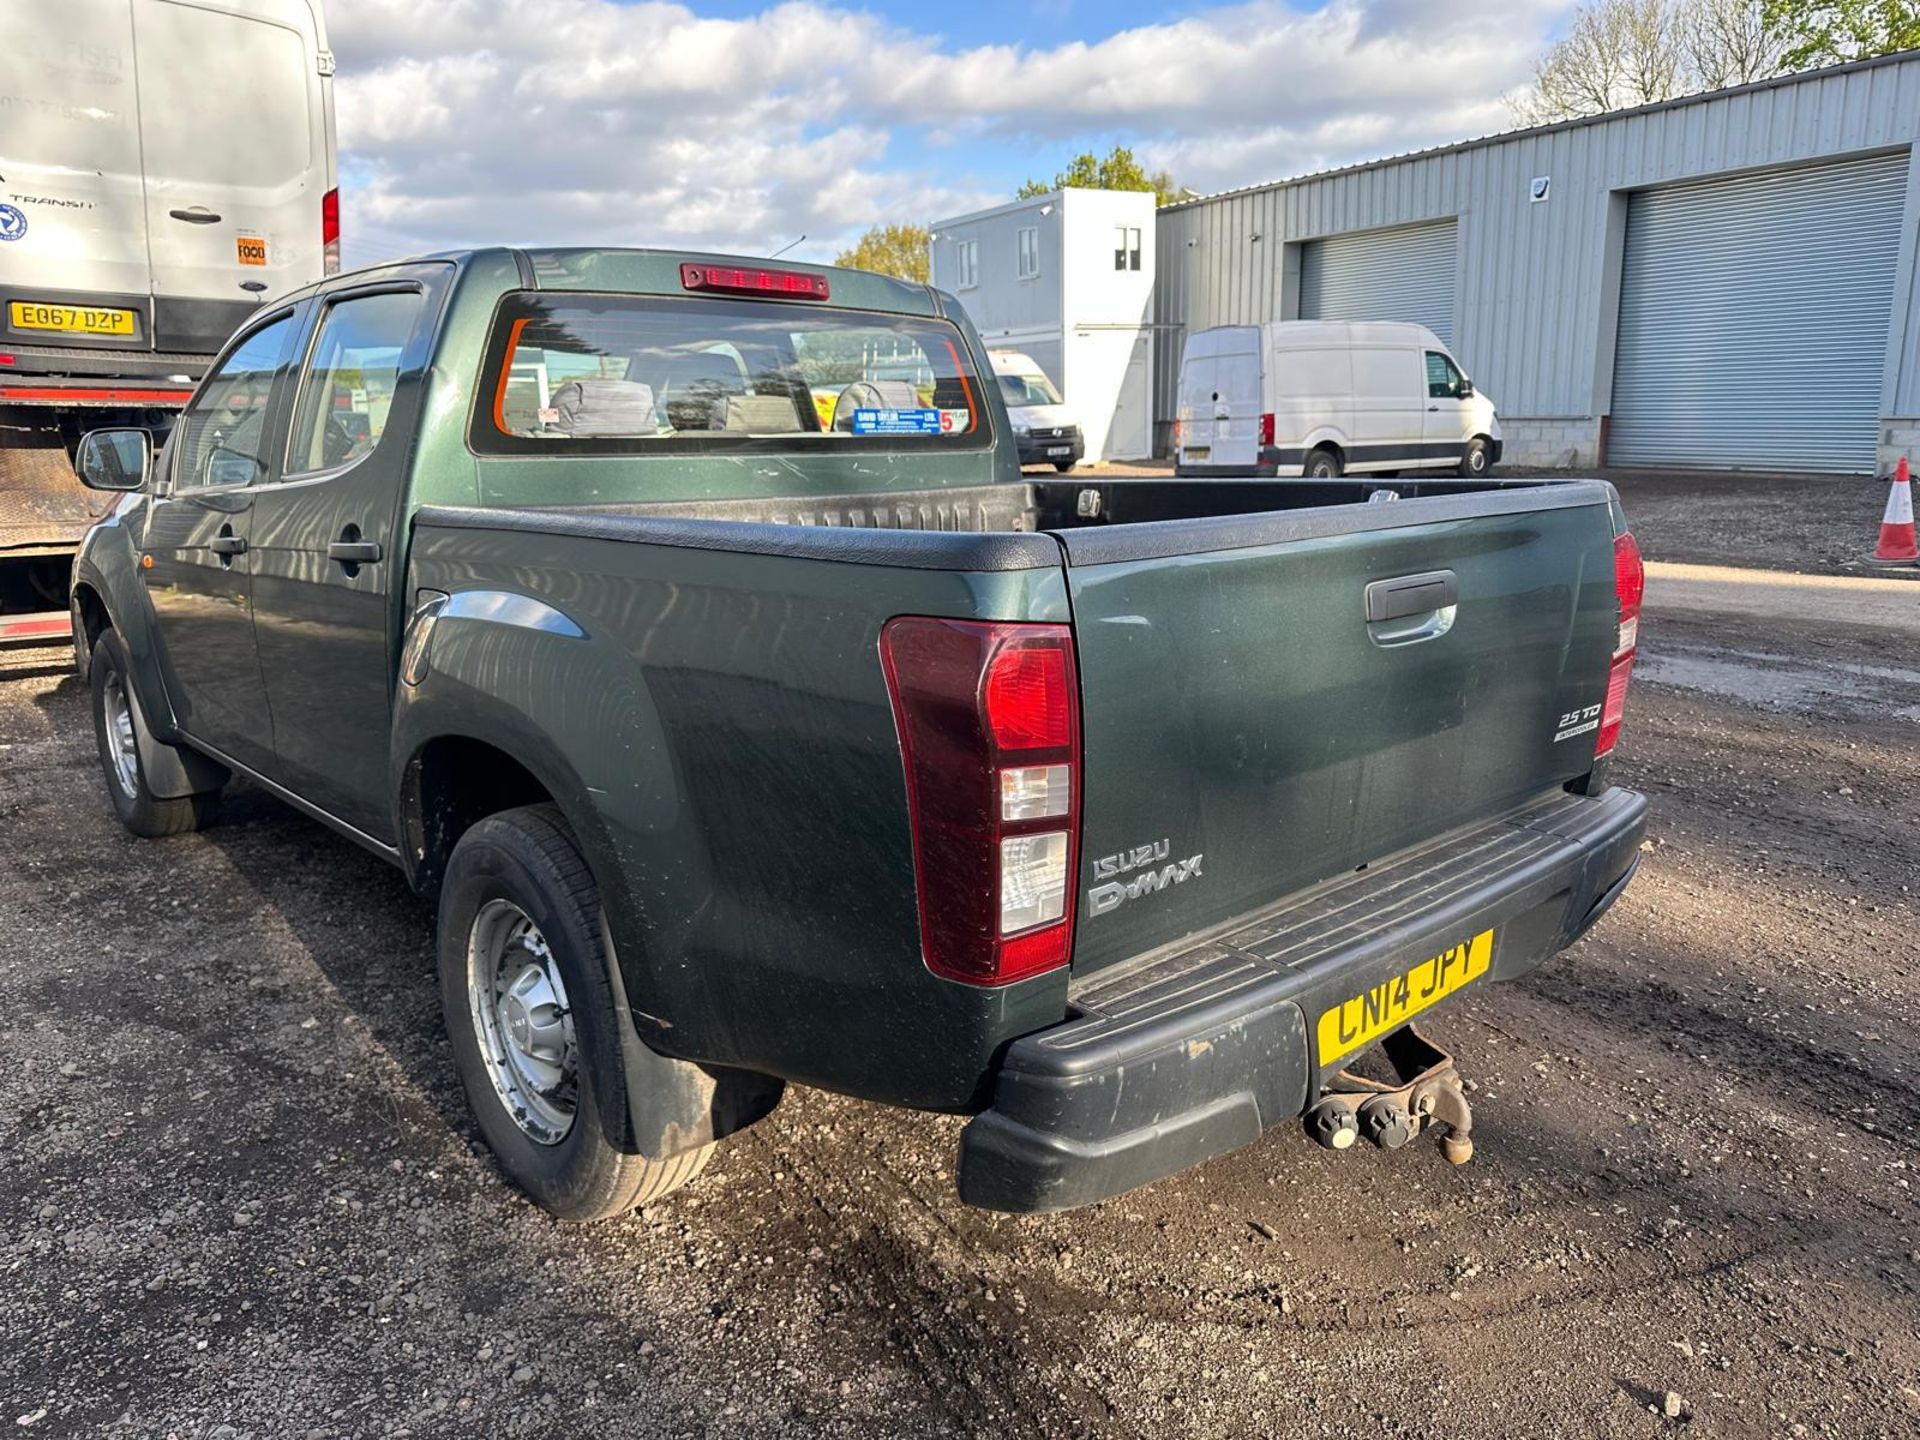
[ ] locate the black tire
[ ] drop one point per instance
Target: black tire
(1323, 464)
(528, 860)
(133, 800)
(1476, 461)
(1063, 466)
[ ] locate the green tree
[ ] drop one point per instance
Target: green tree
(897, 250)
(1829, 34)
(1117, 170)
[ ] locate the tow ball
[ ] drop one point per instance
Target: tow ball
(1429, 1094)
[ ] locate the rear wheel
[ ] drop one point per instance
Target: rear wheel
(1063, 466)
(1323, 464)
(1477, 459)
(534, 1023)
(119, 729)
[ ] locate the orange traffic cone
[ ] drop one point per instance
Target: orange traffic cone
(1897, 546)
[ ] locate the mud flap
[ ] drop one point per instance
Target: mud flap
(678, 1105)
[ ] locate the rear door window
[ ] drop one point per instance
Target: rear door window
(583, 374)
(350, 379)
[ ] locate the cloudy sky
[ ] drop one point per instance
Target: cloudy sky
(735, 126)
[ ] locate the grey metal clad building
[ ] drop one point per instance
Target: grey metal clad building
(1724, 281)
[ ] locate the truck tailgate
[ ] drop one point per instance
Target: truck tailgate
(1249, 730)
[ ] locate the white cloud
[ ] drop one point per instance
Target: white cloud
(585, 121)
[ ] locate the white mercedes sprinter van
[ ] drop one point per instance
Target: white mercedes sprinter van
(1323, 398)
(165, 167)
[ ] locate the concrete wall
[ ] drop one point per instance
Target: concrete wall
(1538, 285)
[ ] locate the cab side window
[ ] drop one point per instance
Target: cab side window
(349, 383)
(1444, 381)
(221, 438)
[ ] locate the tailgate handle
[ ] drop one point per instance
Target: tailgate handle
(1411, 595)
(198, 215)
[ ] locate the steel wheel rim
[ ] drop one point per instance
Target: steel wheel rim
(522, 1020)
(120, 746)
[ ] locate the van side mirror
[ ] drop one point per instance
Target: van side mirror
(114, 459)
(1466, 388)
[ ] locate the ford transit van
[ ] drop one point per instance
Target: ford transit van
(1323, 398)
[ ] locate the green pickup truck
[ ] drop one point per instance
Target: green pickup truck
(686, 628)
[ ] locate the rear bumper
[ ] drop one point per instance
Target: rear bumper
(1184, 1056)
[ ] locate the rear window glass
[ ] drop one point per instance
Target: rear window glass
(645, 374)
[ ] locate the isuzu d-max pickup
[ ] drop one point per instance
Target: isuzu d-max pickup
(684, 626)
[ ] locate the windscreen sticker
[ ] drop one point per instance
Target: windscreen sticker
(13, 223)
(897, 422)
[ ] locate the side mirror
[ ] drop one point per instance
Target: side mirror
(1466, 388)
(114, 459)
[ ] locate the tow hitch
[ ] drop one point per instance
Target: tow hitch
(1429, 1093)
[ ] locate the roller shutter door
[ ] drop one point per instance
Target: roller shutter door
(1753, 320)
(1382, 275)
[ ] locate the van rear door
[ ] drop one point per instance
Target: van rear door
(1220, 399)
(232, 120)
(73, 230)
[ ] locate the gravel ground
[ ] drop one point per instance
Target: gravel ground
(240, 1196)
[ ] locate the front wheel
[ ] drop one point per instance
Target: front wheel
(530, 1009)
(1063, 466)
(1323, 465)
(1477, 459)
(119, 728)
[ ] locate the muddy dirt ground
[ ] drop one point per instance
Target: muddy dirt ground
(240, 1195)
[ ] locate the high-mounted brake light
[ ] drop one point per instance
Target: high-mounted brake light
(330, 232)
(1266, 429)
(740, 280)
(1629, 589)
(989, 722)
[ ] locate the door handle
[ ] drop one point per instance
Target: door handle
(197, 216)
(354, 552)
(1411, 595)
(1432, 408)
(228, 544)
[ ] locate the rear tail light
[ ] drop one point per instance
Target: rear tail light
(1629, 589)
(330, 232)
(989, 723)
(1179, 429)
(1266, 429)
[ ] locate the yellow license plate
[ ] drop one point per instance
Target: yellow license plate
(69, 319)
(1354, 1024)
(1199, 452)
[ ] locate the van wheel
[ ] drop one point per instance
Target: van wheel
(1063, 466)
(1477, 459)
(1323, 464)
(119, 728)
(535, 1028)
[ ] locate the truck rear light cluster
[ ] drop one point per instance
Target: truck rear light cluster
(330, 232)
(1266, 429)
(989, 722)
(1629, 589)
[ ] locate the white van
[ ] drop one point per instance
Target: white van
(1044, 429)
(1323, 398)
(165, 167)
